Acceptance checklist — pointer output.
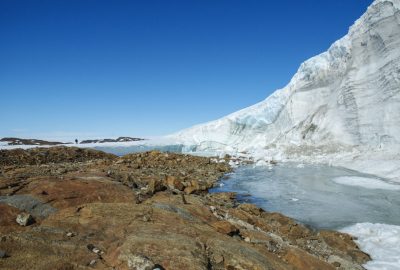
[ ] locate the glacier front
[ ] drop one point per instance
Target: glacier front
(342, 105)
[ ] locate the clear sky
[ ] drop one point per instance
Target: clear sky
(91, 68)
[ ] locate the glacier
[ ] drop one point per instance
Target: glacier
(342, 107)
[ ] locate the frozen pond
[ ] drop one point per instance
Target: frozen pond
(320, 196)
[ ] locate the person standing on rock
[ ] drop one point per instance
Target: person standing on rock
(76, 141)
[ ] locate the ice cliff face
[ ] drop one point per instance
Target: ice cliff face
(347, 97)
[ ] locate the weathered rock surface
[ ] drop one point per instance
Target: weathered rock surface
(135, 212)
(25, 219)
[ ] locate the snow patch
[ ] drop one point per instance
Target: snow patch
(380, 241)
(365, 182)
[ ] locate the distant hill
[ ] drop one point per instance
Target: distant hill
(19, 141)
(119, 139)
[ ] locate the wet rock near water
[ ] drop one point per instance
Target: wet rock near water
(147, 211)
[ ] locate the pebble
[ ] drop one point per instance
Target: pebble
(94, 249)
(92, 262)
(70, 234)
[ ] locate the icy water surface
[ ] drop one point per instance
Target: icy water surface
(320, 196)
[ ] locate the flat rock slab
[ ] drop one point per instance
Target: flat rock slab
(29, 204)
(171, 208)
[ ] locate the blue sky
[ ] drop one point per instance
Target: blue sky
(91, 68)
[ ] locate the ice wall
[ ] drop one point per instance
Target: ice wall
(347, 97)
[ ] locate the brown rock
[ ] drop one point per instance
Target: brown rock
(154, 185)
(344, 243)
(195, 184)
(190, 190)
(242, 215)
(298, 231)
(338, 240)
(73, 192)
(302, 260)
(223, 196)
(218, 258)
(174, 183)
(225, 227)
(193, 187)
(7, 218)
(251, 208)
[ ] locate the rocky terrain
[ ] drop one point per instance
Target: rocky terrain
(72, 208)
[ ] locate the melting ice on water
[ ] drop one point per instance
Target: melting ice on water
(330, 198)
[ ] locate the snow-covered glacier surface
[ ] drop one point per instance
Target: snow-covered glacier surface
(341, 107)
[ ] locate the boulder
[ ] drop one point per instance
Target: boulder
(302, 260)
(193, 187)
(174, 183)
(137, 262)
(25, 219)
(251, 209)
(225, 227)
